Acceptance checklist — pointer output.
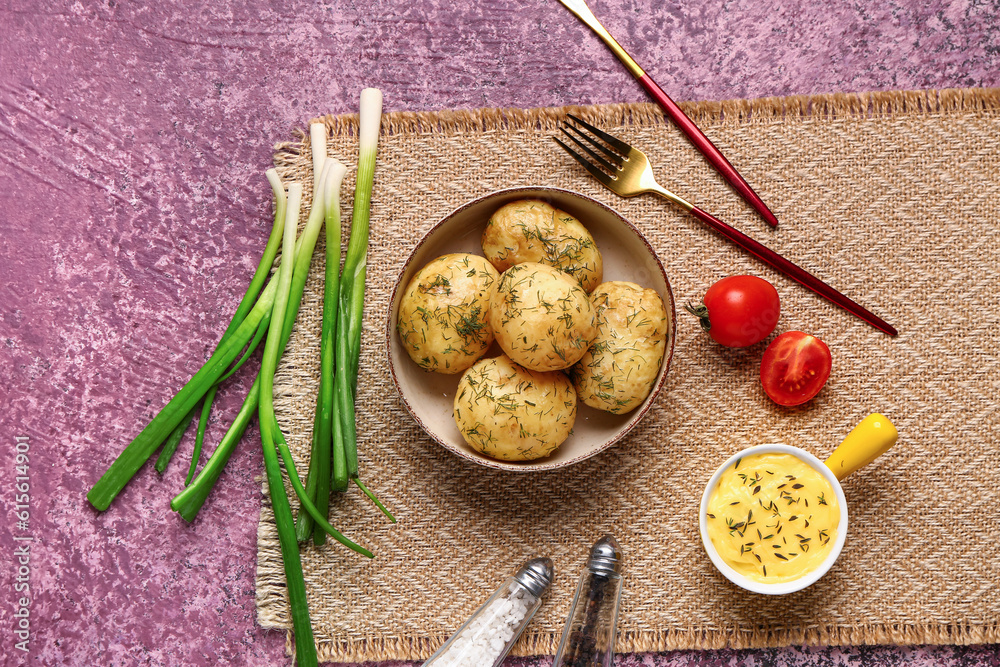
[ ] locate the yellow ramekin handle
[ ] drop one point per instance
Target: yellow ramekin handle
(869, 440)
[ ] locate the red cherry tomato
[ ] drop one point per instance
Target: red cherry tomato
(794, 368)
(739, 310)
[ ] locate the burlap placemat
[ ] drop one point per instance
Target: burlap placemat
(892, 197)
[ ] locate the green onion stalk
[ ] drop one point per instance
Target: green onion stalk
(121, 471)
(256, 284)
(145, 444)
(305, 649)
(168, 426)
(326, 430)
(244, 332)
(246, 304)
(271, 311)
(352, 289)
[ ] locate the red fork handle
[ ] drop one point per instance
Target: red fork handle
(796, 273)
(707, 148)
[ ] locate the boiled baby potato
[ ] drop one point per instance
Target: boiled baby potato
(541, 317)
(618, 371)
(508, 412)
(442, 319)
(530, 230)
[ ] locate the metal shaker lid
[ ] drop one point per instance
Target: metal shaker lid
(605, 556)
(536, 575)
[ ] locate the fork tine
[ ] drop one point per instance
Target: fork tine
(601, 161)
(604, 136)
(587, 164)
(614, 157)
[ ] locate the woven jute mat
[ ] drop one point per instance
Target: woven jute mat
(894, 198)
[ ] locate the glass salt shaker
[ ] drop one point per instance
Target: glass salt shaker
(488, 635)
(588, 640)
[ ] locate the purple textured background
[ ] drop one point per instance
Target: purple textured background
(133, 209)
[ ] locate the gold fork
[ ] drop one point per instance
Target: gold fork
(714, 156)
(626, 171)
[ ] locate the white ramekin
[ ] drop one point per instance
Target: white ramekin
(805, 580)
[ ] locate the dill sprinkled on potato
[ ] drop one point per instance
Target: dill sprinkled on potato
(442, 320)
(620, 368)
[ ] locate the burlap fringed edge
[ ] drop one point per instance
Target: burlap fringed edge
(412, 648)
(740, 111)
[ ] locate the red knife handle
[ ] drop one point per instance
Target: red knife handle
(796, 273)
(707, 148)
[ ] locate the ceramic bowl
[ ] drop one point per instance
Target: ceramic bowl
(627, 255)
(785, 587)
(867, 441)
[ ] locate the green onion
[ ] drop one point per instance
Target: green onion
(272, 438)
(326, 430)
(268, 314)
(338, 462)
(145, 444)
(321, 522)
(305, 649)
(352, 284)
(189, 501)
(260, 275)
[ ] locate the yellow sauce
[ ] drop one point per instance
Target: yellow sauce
(773, 517)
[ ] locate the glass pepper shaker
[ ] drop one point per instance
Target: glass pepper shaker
(588, 640)
(488, 635)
